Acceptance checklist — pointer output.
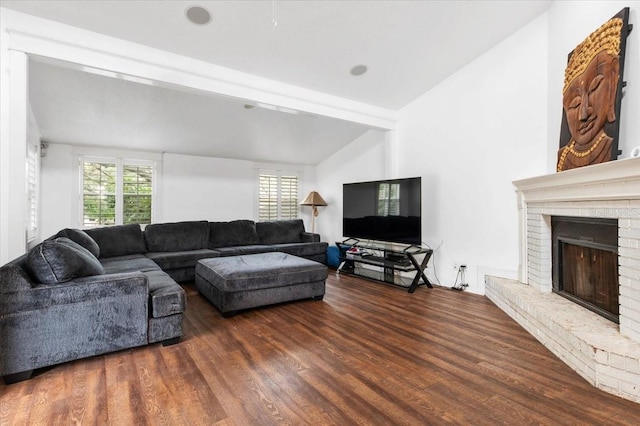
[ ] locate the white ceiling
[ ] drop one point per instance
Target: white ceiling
(408, 47)
(83, 108)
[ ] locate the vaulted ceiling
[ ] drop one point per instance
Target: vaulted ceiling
(83, 108)
(407, 46)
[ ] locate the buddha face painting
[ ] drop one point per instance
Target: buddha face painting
(589, 99)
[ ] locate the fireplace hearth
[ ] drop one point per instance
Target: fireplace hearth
(585, 263)
(605, 353)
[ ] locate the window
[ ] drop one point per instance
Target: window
(288, 197)
(137, 193)
(32, 172)
(98, 194)
(277, 195)
(268, 197)
(116, 191)
(389, 199)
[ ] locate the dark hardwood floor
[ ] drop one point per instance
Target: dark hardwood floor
(368, 354)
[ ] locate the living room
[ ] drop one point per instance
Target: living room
(528, 65)
(493, 121)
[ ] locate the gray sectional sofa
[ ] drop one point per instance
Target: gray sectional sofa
(84, 293)
(177, 247)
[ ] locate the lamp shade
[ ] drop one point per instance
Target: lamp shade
(313, 199)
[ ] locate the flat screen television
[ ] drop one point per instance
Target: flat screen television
(383, 210)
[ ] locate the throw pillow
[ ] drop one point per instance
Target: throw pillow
(232, 234)
(60, 260)
(177, 236)
(118, 240)
(280, 231)
(82, 238)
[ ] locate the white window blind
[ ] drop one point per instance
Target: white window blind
(32, 174)
(278, 195)
(288, 197)
(116, 192)
(268, 197)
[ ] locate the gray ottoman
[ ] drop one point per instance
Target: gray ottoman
(240, 282)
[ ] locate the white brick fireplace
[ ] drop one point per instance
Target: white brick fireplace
(603, 352)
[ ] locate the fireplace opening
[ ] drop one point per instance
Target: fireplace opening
(585, 263)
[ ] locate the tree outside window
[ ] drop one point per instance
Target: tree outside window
(115, 193)
(137, 194)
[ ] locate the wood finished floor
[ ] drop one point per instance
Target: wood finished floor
(368, 354)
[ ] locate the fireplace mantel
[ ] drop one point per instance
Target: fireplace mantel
(615, 180)
(607, 190)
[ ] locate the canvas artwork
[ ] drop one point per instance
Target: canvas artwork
(591, 96)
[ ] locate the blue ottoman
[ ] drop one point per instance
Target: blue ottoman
(241, 282)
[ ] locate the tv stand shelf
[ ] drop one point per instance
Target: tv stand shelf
(385, 259)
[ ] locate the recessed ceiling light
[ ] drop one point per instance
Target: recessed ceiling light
(198, 15)
(358, 70)
(248, 106)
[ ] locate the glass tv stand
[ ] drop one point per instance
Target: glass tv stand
(385, 262)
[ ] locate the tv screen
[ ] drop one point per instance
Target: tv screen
(384, 210)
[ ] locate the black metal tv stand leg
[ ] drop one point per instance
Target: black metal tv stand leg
(420, 271)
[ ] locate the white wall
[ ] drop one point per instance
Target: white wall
(570, 22)
(362, 160)
(218, 189)
(215, 189)
(189, 187)
(58, 183)
(498, 120)
(13, 153)
(469, 138)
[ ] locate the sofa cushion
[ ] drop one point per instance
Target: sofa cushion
(309, 237)
(234, 233)
(180, 259)
(80, 237)
(281, 231)
(13, 277)
(164, 328)
(165, 295)
(128, 263)
(181, 275)
(239, 250)
(301, 249)
(178, 236)
(59, 260)
(118, 240)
